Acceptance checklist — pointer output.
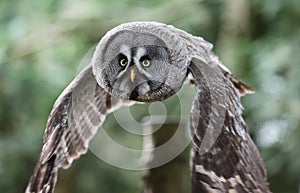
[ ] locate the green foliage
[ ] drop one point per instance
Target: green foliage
(43, 42)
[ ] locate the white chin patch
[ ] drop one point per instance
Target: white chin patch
(144, 88)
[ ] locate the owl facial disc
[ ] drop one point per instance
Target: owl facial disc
(138, 79)
(137, 65)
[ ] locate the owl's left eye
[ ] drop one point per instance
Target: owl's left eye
(146, 62)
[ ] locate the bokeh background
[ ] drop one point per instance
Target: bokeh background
(42, 43)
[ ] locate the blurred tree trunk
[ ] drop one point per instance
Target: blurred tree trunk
(234, 23)
(174, 176)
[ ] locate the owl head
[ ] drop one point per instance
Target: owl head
(138, 63)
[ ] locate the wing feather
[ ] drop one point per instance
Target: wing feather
(76, 115)
(225, 159)
(197, 46)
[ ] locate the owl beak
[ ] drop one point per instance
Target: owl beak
(132, 75)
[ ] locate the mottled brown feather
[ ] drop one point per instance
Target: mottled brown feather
(233, 161)
(73, 121)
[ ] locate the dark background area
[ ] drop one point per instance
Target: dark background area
(42, 44)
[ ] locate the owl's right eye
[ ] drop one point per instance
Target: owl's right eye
(123, 62)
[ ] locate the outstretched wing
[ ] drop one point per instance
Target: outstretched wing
(225, 159)
(76, 115)
(239, 85)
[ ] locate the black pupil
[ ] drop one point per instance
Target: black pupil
(123, 59)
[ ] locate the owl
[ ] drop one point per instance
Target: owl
(147, 62)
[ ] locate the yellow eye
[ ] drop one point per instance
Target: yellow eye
(123, 62)
(146, 62)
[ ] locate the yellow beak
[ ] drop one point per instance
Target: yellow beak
(132, 75)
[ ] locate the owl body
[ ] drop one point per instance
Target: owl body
(146, 62)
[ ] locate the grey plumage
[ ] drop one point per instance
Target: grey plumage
(149, 61)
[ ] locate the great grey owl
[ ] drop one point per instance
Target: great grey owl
(145, 62)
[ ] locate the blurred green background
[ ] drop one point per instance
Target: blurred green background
(43, 42)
